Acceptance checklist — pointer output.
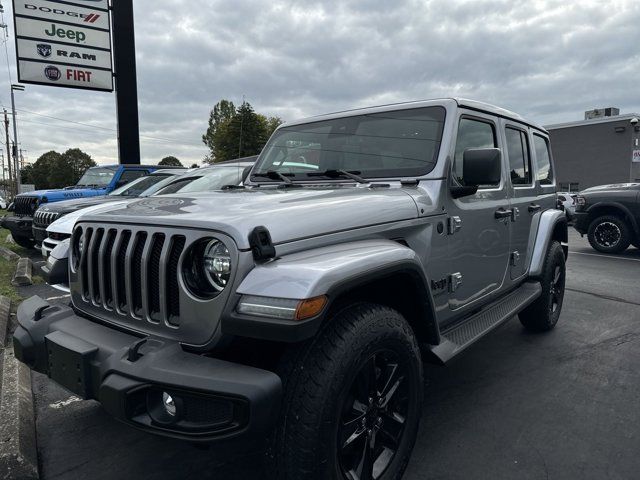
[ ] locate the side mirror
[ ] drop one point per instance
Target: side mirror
(480, 166)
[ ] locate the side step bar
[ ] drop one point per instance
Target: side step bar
(457, 338)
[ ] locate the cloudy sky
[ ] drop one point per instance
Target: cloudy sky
(547, 60)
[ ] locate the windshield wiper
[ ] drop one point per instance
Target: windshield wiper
(274, 175)
(353, 175)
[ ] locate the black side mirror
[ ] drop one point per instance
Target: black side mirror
(481, 166)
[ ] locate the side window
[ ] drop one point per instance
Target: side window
(519, 160)
(129, 175)
(471, 134)
(543, 160)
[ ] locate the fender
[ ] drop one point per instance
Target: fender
(618, 206)
(546, 224)
(333, 271)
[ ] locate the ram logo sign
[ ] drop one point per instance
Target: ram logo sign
(72, 37)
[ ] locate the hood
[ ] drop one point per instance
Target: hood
(64, 194)
(68, 206)
(613, 187)
(288, 214)
(66, 223)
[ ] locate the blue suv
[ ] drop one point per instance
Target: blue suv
(95, 182)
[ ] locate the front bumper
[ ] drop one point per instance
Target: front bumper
(39, 234)
(213, 399)
(19, 226)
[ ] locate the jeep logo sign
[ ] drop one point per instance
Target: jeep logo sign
(74, 37)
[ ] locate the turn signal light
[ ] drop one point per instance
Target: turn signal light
(311, 307)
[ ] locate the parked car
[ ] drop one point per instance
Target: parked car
(205, 179)
(95, 182)
(297, 311)
(568, 202)
(610, 216)
(50, 212)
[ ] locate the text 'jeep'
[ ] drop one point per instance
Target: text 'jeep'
(297, 311)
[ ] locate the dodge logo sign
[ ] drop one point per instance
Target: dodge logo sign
(52, 73)
(44, 50)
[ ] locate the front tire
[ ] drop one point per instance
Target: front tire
(609, 234)
(543, 314)
(352, 400)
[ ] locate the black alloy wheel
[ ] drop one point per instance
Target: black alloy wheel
(373, 417)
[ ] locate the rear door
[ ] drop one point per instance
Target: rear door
(523, 193)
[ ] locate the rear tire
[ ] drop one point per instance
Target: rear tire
(352, 399)
(542, 315)
(609, 234)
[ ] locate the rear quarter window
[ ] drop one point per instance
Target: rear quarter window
(543, 160)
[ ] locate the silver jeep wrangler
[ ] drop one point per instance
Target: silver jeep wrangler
(295, 312)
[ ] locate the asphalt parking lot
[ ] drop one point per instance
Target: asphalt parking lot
(559, 405)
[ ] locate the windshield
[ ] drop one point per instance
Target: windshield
(155, 188)
(214, 179)
(100, 177)
(138, 186)
(403, 143)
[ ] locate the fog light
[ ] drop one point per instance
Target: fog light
(169, 404)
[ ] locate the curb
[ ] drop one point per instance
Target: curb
(18, 450)
(24, 273)
(9, 254)
(5, 316)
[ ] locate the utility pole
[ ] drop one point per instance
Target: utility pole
(124, 57)
(6, 132)
(22, 152)
(16, 165)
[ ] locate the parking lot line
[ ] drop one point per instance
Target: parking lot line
(605, 256)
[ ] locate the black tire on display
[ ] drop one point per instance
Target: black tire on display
(542, 315)
(609, 234)
(352, 399)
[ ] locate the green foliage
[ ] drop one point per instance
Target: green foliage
(235, 133)
(170, 161)
(55, 170)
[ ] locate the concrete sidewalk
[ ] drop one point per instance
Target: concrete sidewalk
(18, 450)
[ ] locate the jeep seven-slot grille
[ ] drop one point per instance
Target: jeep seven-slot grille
(44, 219)
(134, 273)
(25, 206)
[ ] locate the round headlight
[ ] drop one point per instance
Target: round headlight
(217, 264)
(207, 268)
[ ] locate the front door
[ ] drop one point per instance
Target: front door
(479, 250)
(523, 194)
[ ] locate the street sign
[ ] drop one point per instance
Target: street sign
(64, 44)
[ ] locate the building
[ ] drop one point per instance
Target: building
(601, 149)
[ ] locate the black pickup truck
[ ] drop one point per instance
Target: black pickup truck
(610, 216)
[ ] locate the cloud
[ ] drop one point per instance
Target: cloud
(548, 61)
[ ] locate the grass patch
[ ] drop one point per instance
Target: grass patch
(8, 268)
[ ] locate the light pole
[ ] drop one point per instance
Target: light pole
(16, 162)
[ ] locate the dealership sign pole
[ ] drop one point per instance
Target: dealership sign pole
(68, 44)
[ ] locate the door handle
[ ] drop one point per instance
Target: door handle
(502, 213)
(533, 208)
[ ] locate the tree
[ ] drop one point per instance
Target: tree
(195, 165)
(238, 133)
(170, 161)
(55, 170)
(222, 112)
(78, 162)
